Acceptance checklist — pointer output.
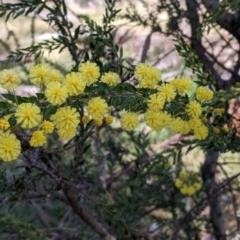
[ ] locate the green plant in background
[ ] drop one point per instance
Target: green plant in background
(77, 150)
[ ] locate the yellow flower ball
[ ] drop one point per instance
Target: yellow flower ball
(195, 122)
(110, 78)
(156, 102)
(151, 78)
(129, 120)
(197, 186)
(90, 72)
(216, 130)
(194, 109)
(167, 92)
(97, 122)
(67, 133)
(182, 175)
(47, 127)
(28, 115)
(153, 120)
(75, 84)
(165, 119)
(66, 118)
(203, 94)
(185, 128)
(176, 124)
(38, 139)
(219, 111)
(201, 132)
(97, 107)
(190, 190)
(226, 129)
(9, 79)
(155, 75)
(4, 124)
(109, 119)
(56, 94)
(86, 119)
(182, 85)
(53, 75)
(39, 73)
(10, 147)
(184, 189)
(178, 183)
(204, 120)
(141, 71)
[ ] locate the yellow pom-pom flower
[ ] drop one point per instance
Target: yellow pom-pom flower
(28, 115)
(9, 79)
(38, 139)
(197, 186)
(184, 189)
(219, 111)
(4, 124)
(155, 75)
(86, 119)
(190, 190)
(201, 132)
(97, 107)
(110, 78)
(142, 71)
(151, 79)
(146, 83)
(90, 72)
(66, 118)
(129, 120)
(67, 133)
(185, 129)
(182, 85)
(153, 120)
(165, 119)
(97, 122)
(75, 84)
(216, 130)
(10, 147)
(182, 175)
(195, 123)
(56, 94)
(176, 124)
(178, 183)
(157, 120)
(39, 73)
(203, 94)
(109, 119)
(167, 92)
(156, 102)
(47, 127)
(194, 109)
(204, 120)
(53, 75)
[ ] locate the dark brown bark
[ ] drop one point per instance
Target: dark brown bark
(81, 211)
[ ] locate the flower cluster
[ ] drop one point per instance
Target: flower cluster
(70, 100)
(188, 182)
(148, 76)
(57, 89)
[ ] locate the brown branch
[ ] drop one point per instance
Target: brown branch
(79, 209)
(68, 189)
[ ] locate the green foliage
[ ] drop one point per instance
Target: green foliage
(114, 176)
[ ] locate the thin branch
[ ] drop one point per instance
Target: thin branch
(79, 209)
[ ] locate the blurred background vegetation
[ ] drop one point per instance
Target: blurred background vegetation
(125, 181)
